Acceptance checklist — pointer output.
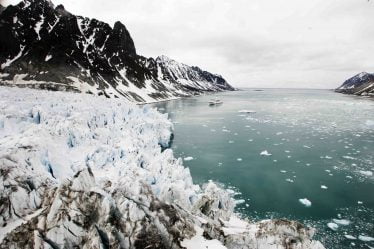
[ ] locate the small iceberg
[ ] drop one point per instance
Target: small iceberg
(305, 202)
(333, 226)
(349, 237)
(342, 222)
(189, 158)
(366, 173)
(323, 187)
(365, 238)
(265, 153)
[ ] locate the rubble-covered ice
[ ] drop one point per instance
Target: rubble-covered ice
(89, 172)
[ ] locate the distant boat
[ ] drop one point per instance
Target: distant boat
(247, 111)
(215, 102)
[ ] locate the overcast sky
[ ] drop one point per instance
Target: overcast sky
(252, 43)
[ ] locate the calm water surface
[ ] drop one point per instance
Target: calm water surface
(321, 145)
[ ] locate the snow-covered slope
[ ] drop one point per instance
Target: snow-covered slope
(47, 47)
(78, 171)
(360, 84)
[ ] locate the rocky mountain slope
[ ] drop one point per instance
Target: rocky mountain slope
(79, 171)
(360, 84)
(47, 47)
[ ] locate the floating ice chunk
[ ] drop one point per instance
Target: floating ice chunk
(323, 187)
(349, 157)
(283, 171)
(350, 237)
(333, 226)
(48, 57)
(365, 238)
(342, 222)
(247, 111)
(287, 151)
(305, 202)
(328, 157)
(240, 201)
(366, 173)
(189, 158)
(231, 142)
(265, 153)
(349, 177)
(289, 180)
(279, 133)
(360, 203)
(306, 146)
(239, 159)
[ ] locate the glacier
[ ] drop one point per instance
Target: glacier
(90, 172)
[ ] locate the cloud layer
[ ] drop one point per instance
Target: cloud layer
(273, 43)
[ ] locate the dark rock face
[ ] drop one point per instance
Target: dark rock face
(360, 84)
(43, 46)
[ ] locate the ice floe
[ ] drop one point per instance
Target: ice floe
(305, 202)
(265, 153)
(365, 238)
(350, 237)
(333, 226)
(342, 222)
(366, 172)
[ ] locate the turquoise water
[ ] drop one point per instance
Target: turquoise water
(321, 145)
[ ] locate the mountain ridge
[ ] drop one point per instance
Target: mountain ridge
(47, 47)
(360, 84)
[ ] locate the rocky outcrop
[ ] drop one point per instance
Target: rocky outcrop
(47, 47)
(79, 171)
(360, 84)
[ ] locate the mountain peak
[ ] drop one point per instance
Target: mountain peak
(164, 58)
(39, 2)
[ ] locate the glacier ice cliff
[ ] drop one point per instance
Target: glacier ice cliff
(79, 171)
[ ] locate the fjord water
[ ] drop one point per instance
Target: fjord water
(321, 145)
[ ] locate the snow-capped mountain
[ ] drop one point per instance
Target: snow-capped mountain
(47, 47)
(360, 84)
